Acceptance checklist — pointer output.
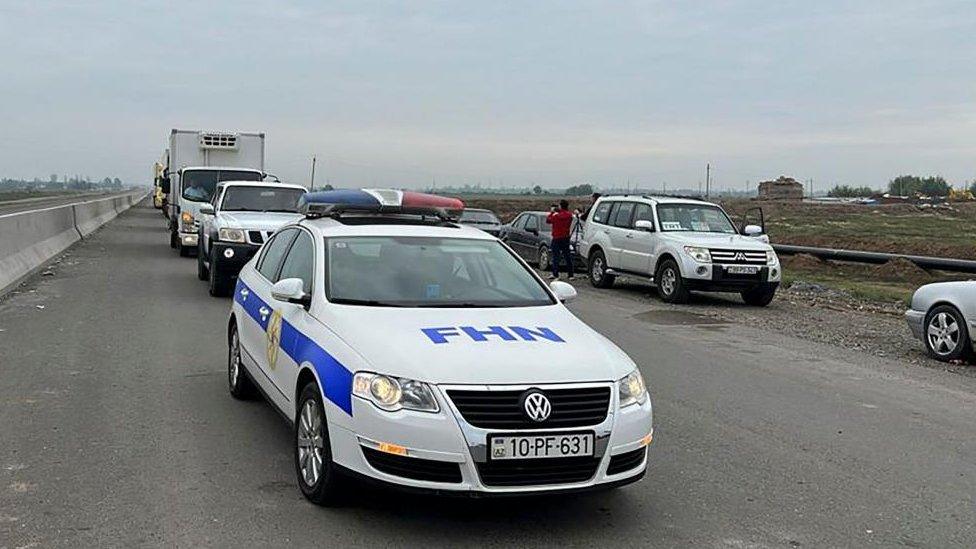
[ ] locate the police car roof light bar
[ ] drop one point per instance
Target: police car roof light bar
(379, 201)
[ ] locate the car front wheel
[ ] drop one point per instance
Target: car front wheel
(670, 285)
(598, 271)
(240, 385)
(946, 336)
(319, 481)
(759, 296)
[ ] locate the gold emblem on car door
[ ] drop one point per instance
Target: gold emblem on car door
(274, 338)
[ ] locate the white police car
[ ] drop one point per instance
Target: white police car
(412, 350)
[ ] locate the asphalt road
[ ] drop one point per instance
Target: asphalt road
(117, 430)
(15, 206)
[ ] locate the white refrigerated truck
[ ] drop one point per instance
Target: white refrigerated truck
(197, 161)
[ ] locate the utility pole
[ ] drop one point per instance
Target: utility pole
(311, 186)
(708, 180)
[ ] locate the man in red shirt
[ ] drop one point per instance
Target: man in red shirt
(561, 220)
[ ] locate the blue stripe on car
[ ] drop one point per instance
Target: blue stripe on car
(336, 378)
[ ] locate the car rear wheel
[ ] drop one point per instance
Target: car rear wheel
(598, 271)
(240, 385)
(544, 258)
(670, 285)
(946, 336)
(317, 476)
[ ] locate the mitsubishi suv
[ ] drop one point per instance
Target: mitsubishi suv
(681, 245)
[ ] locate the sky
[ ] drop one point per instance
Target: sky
(549, 92)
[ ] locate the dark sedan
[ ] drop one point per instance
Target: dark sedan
(531, 237)
(486, 220)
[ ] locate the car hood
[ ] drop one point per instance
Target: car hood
(712, 240)
(257, 221)
(434, 345)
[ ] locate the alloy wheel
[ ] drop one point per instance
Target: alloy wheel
(310, 443)
(668, 279)
(943, 333)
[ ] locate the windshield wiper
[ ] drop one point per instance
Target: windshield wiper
(280, 211)
(366, 302)
(460, 306)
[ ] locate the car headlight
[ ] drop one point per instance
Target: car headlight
(700, 255)
(394, 393)
(632, 389)
(186, 219)
(771, 258)
(230, 235)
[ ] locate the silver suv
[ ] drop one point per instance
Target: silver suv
(680, 245)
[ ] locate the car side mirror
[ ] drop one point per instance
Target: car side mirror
(564, 291)
(752, 230)
(164, 185)
(291, 290)
(207, 209)
(533, 231)
(644, 225)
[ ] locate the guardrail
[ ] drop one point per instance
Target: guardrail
(923, 261)
(30, 239)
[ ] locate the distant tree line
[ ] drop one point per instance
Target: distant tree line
(906, 185)
(54, 183)
(847, 191)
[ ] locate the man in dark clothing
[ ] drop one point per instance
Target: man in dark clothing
(561, 220)
(593, 199)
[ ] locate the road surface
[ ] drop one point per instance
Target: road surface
(117, 430)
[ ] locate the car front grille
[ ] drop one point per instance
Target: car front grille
(738, 257)
(626, 461)
(575, 407)
(535, 472)
(413, 468)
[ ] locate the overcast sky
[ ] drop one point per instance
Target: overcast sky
(515, 93)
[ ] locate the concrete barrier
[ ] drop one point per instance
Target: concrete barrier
(30, 239)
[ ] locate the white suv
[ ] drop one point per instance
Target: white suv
(239, 218)
(681, 245)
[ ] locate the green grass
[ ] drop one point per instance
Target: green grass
(867, 290)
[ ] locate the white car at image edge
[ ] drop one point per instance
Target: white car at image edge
(408, 349)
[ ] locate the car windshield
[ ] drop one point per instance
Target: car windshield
(471, 216)
(699, 218)
(428, 272)
(199, 185)
(261, 199)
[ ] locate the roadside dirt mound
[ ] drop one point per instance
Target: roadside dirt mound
(901, 270)
(804, 262)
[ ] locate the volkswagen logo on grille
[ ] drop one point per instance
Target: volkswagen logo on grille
(739, 256)
(537, 406)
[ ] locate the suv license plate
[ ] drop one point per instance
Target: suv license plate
(542, 446)
(742, 269)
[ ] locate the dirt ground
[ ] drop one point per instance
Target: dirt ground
(945, 231)
(808, 311)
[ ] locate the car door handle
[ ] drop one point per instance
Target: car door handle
(629, 235)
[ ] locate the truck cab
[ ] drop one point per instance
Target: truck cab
(680, 245)
(192, 188)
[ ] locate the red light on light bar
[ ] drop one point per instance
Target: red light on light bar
(431, 201)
